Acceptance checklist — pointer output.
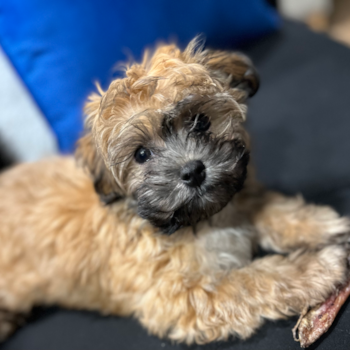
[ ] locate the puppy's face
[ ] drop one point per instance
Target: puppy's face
(170, 135)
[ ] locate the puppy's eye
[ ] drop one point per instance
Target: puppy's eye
(142, 155)
(202, 123)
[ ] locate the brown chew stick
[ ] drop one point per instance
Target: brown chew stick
(313, 324)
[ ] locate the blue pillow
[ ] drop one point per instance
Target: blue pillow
(60, 47)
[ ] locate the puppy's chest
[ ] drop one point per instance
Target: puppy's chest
(225, 242)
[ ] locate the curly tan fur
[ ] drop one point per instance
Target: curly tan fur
(61, 245)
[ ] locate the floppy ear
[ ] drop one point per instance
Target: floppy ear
(235, 68)
(88, 156)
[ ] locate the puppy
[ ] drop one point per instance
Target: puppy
(154, 220)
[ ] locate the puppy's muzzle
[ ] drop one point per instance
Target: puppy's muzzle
(193, 173)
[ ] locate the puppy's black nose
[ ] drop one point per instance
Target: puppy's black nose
(193, 173)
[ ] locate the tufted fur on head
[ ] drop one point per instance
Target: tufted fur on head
(156, 105)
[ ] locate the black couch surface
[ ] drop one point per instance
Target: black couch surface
(300, 124)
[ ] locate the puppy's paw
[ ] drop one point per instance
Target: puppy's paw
(331, 228)
(9, 322)
(334, 260)
(338, 231)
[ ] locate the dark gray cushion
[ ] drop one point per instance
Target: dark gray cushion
(299, 121)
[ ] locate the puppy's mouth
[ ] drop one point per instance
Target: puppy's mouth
(171, 210)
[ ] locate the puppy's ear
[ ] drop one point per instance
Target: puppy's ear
(88, 156)
(234, 68)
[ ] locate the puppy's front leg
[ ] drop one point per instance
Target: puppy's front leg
(202, 309)
(287, 223)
